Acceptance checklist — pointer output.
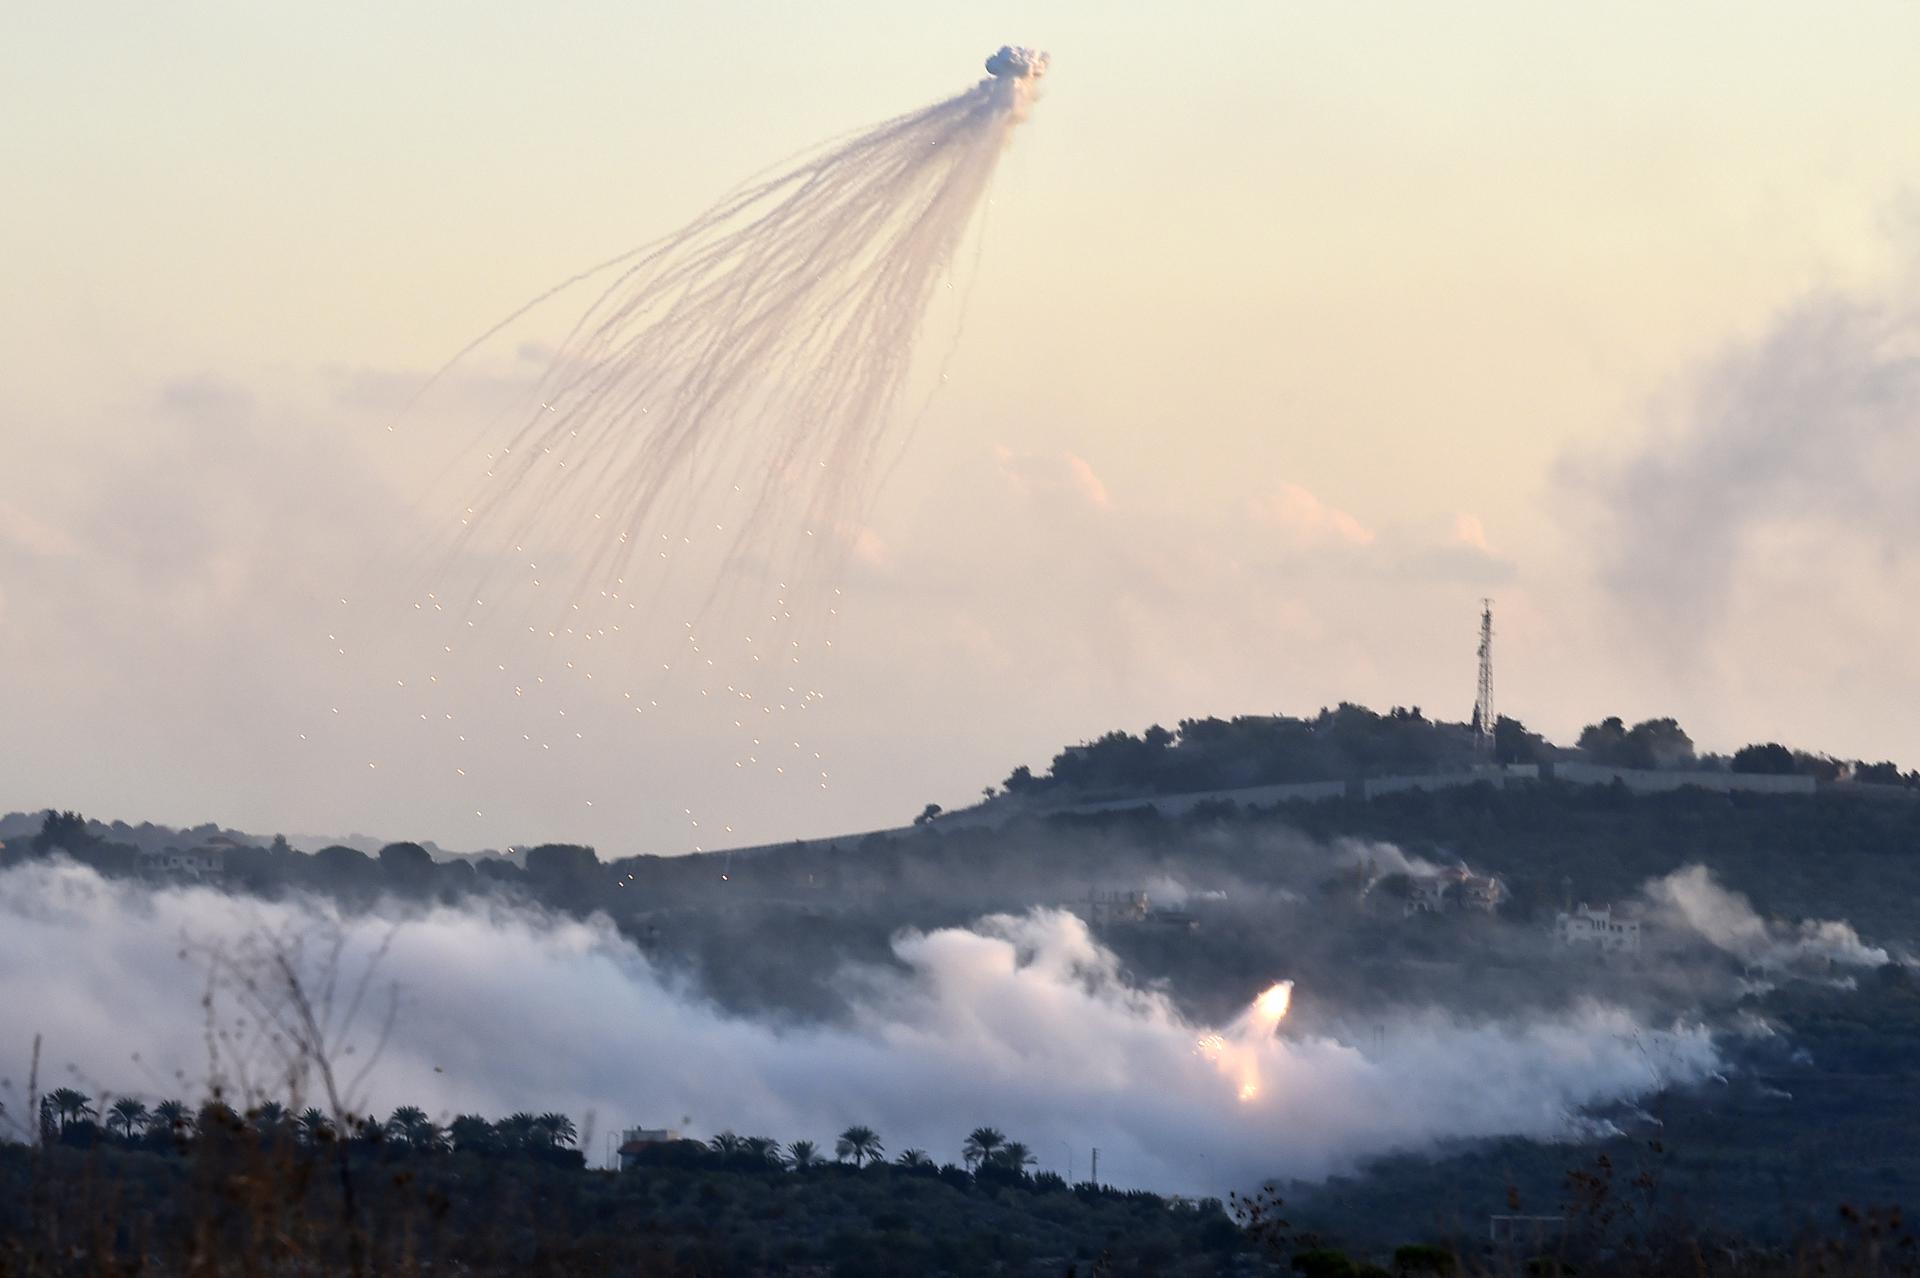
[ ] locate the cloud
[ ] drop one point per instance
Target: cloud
(1810, 433)
(1469, 531)
(1026, 1022)
(1050, 474)
(1306, 521)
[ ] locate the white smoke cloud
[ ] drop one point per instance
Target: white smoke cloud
(1381, 859)
(1805, 432)
(1018, 63)
(1023, 1022)
(1693, 900)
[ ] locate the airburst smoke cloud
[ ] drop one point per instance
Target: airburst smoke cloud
(1018, 63)
(738, 378)
(662, 518)
(1023, 1022)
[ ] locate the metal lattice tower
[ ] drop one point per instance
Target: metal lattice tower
(1483, 717)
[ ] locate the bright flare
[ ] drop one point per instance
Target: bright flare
(1236, 1051)
(1271, 1007)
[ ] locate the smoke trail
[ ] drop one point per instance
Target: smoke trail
(659, 525)
(740, 376)
(1023, 1022)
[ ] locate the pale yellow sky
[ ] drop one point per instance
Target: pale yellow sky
(1416, 262)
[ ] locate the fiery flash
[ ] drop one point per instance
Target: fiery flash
(1236, 1051)
(1272, 1005)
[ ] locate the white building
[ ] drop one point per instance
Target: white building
(1610, 933)
(1456, 889)
(635, 1140)
(195, 863)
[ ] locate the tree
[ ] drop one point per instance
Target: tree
(1660, 743)
(269, 1117)
(1604, 741)
(914, 1159)
(1512, 743)
(1771, 758)
(172, 1116)
(981, 1142)
(340, 867)
(1884, 773)
(471, 1134)
(129, 1114)
(726, 1144)
(563, 864)
(410, 1123)
(1014, 1156)
(928, 813)
(762, 1149)
(62, 832)
(1651, 743)
(559, 1129)
(1323, 1262)
(860, 1144)
(518, 1131)
(216, 1118)
(70, 1106)
(1424, 1258)
(312, 1126)
(1019, 780)
(407, 866)
(802, 1154)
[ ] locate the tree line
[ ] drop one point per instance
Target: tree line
(987, 1153)
(70, 1117)
(1353, 741)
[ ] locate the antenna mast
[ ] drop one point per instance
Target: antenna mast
(1483, 717)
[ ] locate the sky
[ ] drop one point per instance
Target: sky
(1294, 331)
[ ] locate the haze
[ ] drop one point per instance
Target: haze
(1295, 331)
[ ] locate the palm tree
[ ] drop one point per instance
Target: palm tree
(858, 1143)
(981, 1142)
(313, 1126)
(763, 1149)
(913, 1159)
(411, 1124)
(471, 1133)
(269, 1117)
(518, 1131)
(726, 1144)
(129, 1114)
(173, 1115)
(70, 1106)
(406, 1123)
(1014, 1156)
(802, 1154)
(559, 1129)
(217, 1119)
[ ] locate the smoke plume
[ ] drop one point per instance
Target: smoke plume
(1802, 436)
(1691, 899)
(1023, 1022)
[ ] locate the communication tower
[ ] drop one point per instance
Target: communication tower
(1483, 717)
